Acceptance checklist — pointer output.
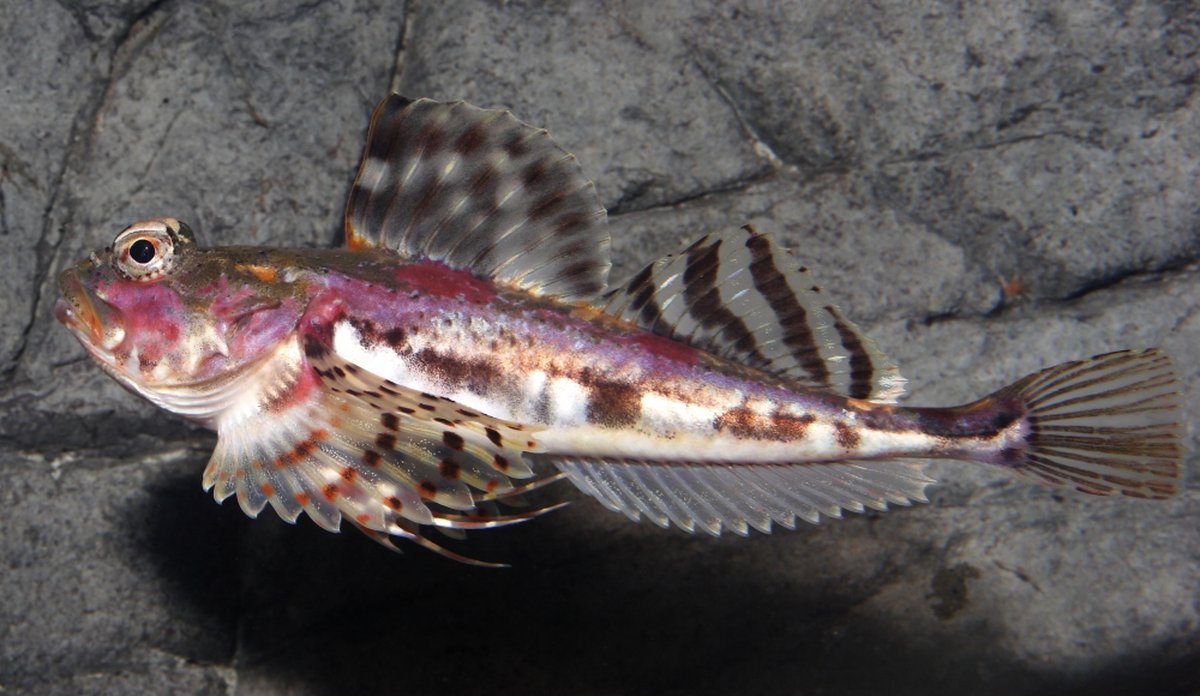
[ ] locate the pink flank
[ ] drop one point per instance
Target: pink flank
(675, 351)
(435, 278)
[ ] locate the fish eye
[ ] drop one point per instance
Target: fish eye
(145, 250)
(142, 251)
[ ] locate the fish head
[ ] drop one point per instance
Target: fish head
(165, 316)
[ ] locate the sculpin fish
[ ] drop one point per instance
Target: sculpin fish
(463, 347)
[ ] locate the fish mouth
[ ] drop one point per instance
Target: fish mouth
(95, 321)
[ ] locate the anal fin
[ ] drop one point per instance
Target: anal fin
(737, 497)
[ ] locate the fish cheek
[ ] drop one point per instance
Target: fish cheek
(252, 333)
(155, 321)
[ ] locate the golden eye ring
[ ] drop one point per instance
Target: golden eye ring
(145, 250)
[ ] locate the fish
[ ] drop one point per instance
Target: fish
(463, 348)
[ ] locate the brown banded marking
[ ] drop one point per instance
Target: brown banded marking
(706, 306)
(862, 370)
(739, 297)
(643, 303)
(791, 315)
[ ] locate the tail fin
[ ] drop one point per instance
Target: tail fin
(1105, 425)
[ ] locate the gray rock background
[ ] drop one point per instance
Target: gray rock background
(986, 190)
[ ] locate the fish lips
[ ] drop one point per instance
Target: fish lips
(93, 320)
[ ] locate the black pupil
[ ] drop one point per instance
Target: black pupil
(142, 251)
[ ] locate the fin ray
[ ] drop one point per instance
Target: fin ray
(482, 192)
(343, 443)
(1105, 425)
(739, 296)
(738, 497)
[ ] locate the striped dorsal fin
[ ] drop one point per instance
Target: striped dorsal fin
(739, 296)
(480, 191)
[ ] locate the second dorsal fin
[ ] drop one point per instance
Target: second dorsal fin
(479, 191)
(739, 296)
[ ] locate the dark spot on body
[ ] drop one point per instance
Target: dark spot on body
(394, 503)
(494, 436)
(449, 469)
(614, 404)
(846, 436)
(390, 421)
(349, 474)
(385, 441)
(500, 462)
(372, 458)
(330, 491)
(427, 489)
(477, 376)
(778, 427)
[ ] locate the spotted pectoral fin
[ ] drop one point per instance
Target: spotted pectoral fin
(480, 191)
(340, 442)
(741, 297)
(737, 497)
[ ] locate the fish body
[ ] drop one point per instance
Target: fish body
(464, 336)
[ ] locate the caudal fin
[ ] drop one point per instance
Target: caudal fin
(1105, 425)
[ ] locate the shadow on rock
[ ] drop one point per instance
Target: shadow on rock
(655, 612)
(592, 605)
(180, 537)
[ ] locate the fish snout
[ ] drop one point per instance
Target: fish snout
(88, 316)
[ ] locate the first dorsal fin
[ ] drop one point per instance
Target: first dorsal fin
(479, 191)
(739, 296)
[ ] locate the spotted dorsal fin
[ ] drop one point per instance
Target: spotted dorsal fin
(739, 296)
(480, 191)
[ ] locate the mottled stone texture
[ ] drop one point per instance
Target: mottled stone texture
(987, 189)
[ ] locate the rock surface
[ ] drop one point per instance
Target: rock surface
(986, 191)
